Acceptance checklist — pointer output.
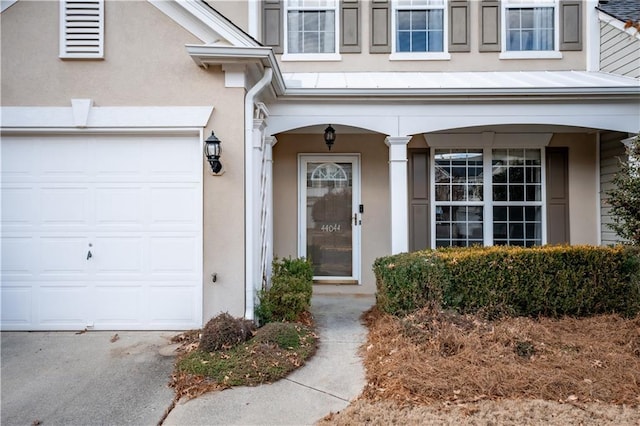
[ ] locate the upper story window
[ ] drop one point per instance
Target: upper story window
(82, 29)
(419, 29)
(530, 29)
(311, 29)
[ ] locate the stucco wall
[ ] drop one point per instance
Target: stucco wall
(583, 181)
(376, 222)
(145, 64)
(473, 60)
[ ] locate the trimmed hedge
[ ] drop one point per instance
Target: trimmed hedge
(549, 281)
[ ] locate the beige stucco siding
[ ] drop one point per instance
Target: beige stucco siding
(583, 181)
(473, 60)
(376, 238)
(145, 64)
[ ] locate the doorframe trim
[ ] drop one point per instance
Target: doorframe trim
(356, 158)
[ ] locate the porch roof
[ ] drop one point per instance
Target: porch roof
(460, 83)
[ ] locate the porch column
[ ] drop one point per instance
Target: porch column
(398, 190)
(270, 142)
(253, 243)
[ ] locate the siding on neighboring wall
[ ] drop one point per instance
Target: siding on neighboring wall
(611, 149)
(619, 51)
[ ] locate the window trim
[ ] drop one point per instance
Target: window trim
(487, 142)
(530, 54)
(420, 56)
(286, 56)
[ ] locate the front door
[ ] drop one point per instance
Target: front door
(329, 216)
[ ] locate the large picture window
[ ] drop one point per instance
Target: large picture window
(487, 196)
(530, 25)
(419, 25)
(311, 26)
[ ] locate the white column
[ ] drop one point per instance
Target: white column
(398, 189)
(270, 142)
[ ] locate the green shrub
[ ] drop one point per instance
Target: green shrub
(290, 291)
(224, 332)
(549, 281)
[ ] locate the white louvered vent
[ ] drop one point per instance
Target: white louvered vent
(81, 28)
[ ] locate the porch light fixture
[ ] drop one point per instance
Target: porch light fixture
(212, 150)
(329, 136)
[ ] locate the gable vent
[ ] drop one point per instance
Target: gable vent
(81, 28)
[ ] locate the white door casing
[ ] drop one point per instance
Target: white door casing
(101, 230)
(339, 260)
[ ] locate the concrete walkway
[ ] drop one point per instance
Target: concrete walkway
(328, 382)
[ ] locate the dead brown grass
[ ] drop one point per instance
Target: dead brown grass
(433, 356)
(439, 367)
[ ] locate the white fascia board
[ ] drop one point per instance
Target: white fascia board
(465, 93)
(205, 55)
(616, 23)
(105, 117)
(203, 22)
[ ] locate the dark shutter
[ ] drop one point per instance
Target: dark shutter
(350, 26)
(272, 25)
(557, 195)
(459, 26)
(380, 26)
(570, 25)
(418, 199)
(490, 26)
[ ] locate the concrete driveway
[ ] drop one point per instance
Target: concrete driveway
(64, 378)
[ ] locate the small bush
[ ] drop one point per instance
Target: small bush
(549, 281)
(290, 291)
(224, 332)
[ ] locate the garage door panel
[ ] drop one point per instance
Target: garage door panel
(65, 206)
(118, 159)
(120, 206)
(119, 304)
(60, 160)
(173, 255)
(14, 264)
(63, 256)
(14, 168)
(172, 160)
(119, 255)
(172, 305)
(64, 306)
(19, 207)
(168, 206)
(16, 305)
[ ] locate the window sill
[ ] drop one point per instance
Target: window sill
(411, 56)
(310, 57)
(552, 54)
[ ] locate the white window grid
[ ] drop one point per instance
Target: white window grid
(525, 54)
(419, 5)
(534, 228)
(312, 6)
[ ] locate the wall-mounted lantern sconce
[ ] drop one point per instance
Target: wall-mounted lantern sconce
(212, 150)
(329, 136)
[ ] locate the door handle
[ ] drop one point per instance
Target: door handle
(89, 255)
(355, 219)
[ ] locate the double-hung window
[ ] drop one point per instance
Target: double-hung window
(530, 28)
(488, 196)
(419, 29)
(311, 29)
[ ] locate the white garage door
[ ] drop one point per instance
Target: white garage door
(101, 231)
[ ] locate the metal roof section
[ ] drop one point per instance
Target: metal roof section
(459, 83)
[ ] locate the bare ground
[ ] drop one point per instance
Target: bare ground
(438, 367)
